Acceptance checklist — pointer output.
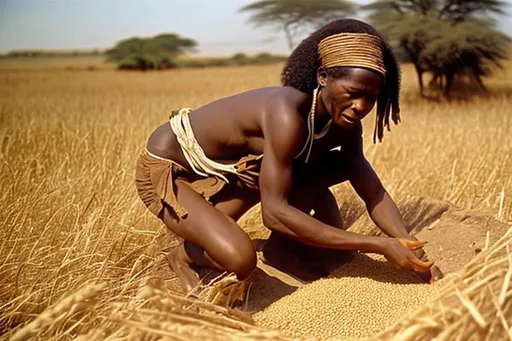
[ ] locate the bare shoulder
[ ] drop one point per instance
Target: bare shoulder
(283, 125)
(283, 109)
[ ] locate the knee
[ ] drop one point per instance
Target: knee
(241, 260)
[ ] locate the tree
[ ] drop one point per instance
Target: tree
(469, 48)
(159, 52)
(449, 38)
(294, 16)
(460, 10)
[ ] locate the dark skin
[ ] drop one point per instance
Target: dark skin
(272, 121)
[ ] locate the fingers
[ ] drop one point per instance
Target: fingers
(431, 276)
(421, 254)
(420, 266)
(437, 274)
(410, 260)
(416, 263)
(413, 263)
(426, 276)
(411, 244)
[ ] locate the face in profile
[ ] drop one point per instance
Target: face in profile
(350, 98)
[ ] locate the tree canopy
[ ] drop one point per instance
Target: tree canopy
(294, 16)
(449, 38)
(158, 52)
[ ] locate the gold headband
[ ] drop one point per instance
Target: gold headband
(352, 49)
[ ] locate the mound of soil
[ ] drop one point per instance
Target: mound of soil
(453, 237)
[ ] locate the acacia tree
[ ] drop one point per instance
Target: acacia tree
(294, 16)
(158, 52)
(448, 38)
(461, 10)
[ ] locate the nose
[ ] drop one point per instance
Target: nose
(359, 107)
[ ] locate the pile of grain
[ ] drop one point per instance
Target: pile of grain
(361, 298)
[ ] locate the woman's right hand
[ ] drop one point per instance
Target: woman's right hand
(399, 252)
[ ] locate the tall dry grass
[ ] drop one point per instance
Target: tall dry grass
(52, 63)
(70, 215)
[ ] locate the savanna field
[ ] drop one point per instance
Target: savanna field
(80, 258)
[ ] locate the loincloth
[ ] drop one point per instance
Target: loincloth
(156, 177)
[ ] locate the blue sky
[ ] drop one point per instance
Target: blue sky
(69, 24)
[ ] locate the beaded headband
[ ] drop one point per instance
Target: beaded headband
(352, 49)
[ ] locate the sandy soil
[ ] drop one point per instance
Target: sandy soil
(454, 236)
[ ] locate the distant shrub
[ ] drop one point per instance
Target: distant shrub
(156, 53)
(238, 59)
(267, 58)
(241, 59)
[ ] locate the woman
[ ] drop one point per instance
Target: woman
(205, 168)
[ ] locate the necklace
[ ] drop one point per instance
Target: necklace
(324, 131)
(311, 128)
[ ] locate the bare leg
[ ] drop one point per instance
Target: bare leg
(304, 261)
(212, 237)
(181, 263)
(214, 240)
(311, 194)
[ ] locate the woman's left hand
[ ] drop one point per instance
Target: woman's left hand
(434, 274)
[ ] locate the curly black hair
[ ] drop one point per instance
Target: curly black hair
(300, 70)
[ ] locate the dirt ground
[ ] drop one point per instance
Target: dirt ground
(453, 236)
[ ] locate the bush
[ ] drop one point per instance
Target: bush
(156, 53)
(237, 59)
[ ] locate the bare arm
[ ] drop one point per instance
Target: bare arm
(381, 207)
(282, 142)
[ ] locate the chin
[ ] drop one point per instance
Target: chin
(343, 124)
(348, 127)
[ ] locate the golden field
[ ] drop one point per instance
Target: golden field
(69, 140)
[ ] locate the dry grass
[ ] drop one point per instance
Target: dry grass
(70, 215)
(473, 304)
(53, 63)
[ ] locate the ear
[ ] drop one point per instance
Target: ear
(321, 76)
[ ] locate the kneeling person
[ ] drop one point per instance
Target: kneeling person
(206, 167)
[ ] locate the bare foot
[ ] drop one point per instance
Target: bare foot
(187, 276)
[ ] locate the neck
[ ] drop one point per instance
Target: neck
(322, 116)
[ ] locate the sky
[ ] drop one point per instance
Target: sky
(216, 25)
